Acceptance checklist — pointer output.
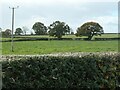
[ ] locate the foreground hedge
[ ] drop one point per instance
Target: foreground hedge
(87, 71)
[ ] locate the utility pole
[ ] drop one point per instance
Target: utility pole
(13, 8)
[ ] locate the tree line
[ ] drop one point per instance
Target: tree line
(58, 29)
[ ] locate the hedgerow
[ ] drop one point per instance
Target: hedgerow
(80, 71)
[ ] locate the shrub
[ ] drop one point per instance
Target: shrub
(86, 71)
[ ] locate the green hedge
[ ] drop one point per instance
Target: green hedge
(87, 71)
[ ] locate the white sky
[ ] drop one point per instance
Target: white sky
(73, 12)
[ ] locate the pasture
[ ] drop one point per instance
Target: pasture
(56, 46)
(47, 47)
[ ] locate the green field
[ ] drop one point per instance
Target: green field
(47, 47)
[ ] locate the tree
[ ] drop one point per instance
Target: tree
(39, 28)
(6, 33)
(18, 31)
(58, 29)
(25, 29)
(89, 29)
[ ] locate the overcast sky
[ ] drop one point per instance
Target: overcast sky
(72, 12)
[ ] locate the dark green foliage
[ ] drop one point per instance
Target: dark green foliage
(89, 29)
(39, 28)
(18, 31)
(58, 29)
(89, 71)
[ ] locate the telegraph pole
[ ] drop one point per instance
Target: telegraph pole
(13, 8)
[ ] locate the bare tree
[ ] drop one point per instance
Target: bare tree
(25, 29)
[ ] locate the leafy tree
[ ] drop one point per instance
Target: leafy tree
(58, 29)
(89, 29)
(6, 33)
(18, 31)
(25, 29)
(39, 28)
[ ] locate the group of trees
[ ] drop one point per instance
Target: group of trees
(22, 30)
(6, 33)
(58, 29)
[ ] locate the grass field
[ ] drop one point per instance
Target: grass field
(46, 47)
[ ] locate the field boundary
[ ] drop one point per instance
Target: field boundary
(85, 70)
(48, 39)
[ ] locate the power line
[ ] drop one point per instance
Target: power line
(13, 8)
